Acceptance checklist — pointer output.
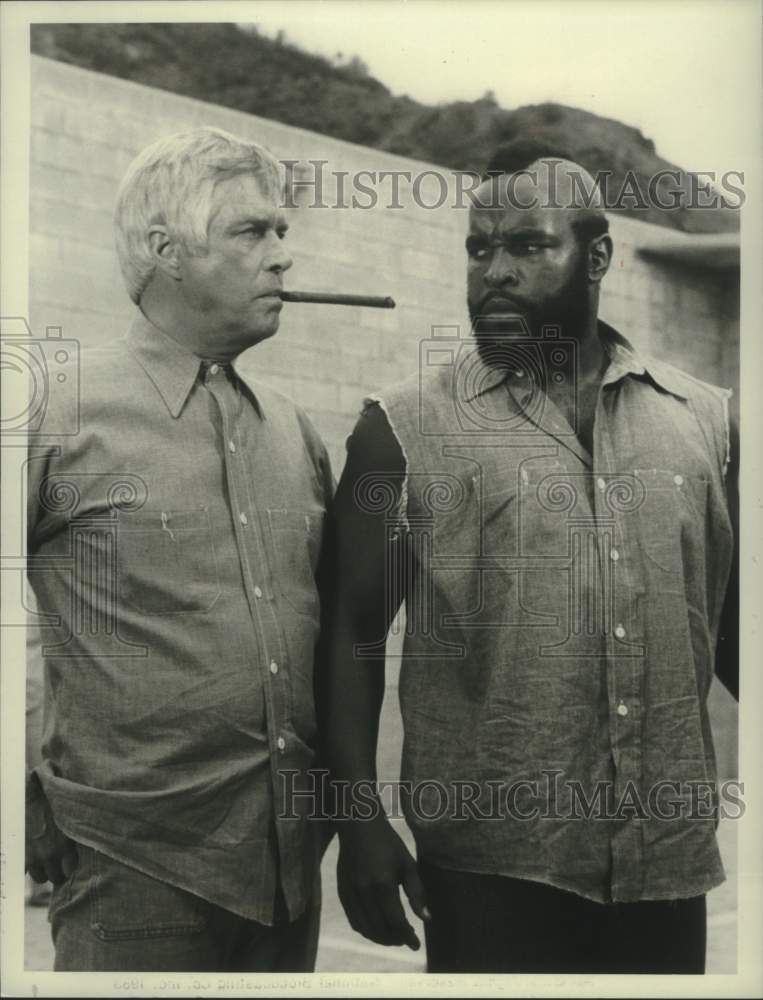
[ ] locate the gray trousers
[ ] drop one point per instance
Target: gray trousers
(109, 917)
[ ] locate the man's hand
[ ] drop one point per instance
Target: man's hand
(373, 863)
(50, 855)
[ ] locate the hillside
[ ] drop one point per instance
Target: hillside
(239, 68)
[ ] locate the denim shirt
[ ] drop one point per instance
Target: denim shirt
(562, 619)
(174, 543)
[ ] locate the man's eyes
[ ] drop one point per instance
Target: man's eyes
(523, 248)
(478, 251)
(529, 249)
(259, 232)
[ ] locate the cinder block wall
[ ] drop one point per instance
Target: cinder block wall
(87, 127)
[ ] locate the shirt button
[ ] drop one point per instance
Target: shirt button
(214, 369)
(622, 709)
(600, 483)
(519, 373)
(273, 667)
(231, 446)
(620, 632)
(257, 592)
(678, 480)
(614, 555)
(281, 743)
(243, 518)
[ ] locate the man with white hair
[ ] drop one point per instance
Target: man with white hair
(552, 506)
(175, 549)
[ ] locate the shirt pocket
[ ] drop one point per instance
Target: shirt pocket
(296, 541)
(671, 517)
(166, 562)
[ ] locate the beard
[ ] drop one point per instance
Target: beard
(500, 338)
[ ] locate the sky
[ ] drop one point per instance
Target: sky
(685, 72)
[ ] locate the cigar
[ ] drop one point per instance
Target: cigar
(337, 299)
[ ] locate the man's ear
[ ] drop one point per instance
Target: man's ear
(599, 257)
(165, 251)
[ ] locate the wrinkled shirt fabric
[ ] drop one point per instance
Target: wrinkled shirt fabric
(562, 618)
(173, 547)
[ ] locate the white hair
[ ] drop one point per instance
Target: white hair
(171, 182)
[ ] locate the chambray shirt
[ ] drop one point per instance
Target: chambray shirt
(174, 544)
(563, 611)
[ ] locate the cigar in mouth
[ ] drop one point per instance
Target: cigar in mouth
(338, 299)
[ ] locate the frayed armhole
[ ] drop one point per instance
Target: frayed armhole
(400, 513)
(727, 394)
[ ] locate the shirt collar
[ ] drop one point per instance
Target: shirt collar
(172, 368)
(476, 376)
(624, 360)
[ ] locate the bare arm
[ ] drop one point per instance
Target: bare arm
(373, 861)
(727, 652)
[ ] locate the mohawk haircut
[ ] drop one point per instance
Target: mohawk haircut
(519, 154)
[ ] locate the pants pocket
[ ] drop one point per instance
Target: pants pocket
(126, 904)
(62, 893)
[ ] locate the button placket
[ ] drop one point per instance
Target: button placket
(270, 658)
(609, 557)
(221, 387)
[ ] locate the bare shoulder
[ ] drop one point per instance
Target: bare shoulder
(372, 444)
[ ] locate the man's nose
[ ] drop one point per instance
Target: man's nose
(278, 257)
(502, 270)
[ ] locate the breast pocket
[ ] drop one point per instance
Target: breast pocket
(671, 517)
(166, 562)
(296, 537)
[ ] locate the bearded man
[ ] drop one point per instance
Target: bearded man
(553, 506)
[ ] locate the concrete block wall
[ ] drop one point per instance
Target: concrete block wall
(87, 127)
(686, 315)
